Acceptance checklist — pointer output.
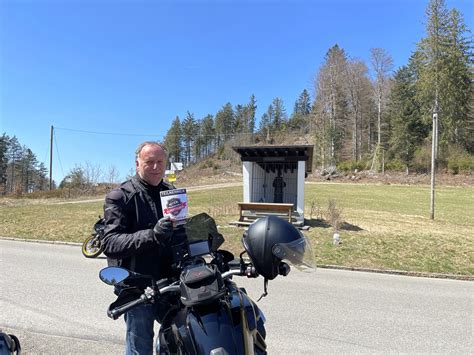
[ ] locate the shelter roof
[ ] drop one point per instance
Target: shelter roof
(276, 154)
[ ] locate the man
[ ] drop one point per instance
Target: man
(136, 236)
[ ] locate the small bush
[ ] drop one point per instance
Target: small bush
(345, 166)
(395, 165)
(422, 159)
(467, 164)
(207, 164)
(315, 210)
(351, 165)
(459, 161)
(334, 215)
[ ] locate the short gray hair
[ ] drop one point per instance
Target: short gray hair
(158, 144)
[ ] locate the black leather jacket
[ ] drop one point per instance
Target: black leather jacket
(131, 212)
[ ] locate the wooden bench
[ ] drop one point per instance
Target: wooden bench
(254, 210)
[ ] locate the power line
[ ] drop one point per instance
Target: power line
(157, 135)
(107, 133)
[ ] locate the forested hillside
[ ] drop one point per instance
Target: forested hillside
(362, 115)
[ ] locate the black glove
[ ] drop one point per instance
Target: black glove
(163, 230)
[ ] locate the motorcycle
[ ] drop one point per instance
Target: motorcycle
(9, 344)
(211, 314)
(92, 246)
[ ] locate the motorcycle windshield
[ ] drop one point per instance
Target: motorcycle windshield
(298, 253)
(203, 227)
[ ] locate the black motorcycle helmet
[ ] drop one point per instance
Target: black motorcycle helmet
(269, 240)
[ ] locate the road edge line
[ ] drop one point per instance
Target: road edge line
(400, 272)
(41, 241)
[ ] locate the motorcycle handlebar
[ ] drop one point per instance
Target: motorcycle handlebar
(148, 296)
(170, 288)
(232, 272)
(249, 272)
(117, 312)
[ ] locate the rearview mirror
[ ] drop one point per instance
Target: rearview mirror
(113, 275)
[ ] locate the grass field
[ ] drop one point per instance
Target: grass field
(386, 226)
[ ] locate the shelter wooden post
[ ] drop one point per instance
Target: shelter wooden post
(300, 193)
(247, 173)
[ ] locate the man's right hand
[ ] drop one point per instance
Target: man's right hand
(163, 230)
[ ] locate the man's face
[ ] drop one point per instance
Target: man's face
(151, 164)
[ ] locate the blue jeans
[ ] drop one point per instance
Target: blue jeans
(139, 337)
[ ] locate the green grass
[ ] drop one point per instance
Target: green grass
(64, 222)
(396, 232)
(390, 225)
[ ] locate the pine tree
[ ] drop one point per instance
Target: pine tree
(251, 110)
(174, 140)
(224, 123)
(444, 79)
(15, 152)
(431, 55)
(303, 104)
(457, 121)
(198, 143)
(300, 117)
(189, 131)
(4, 143)
(208, 131)
(266, 122)
(29, 165)
(279, 119)
(240, 119)
(408, 130)
(20, 171)
(40, 178)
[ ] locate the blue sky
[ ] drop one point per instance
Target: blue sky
(131, 67)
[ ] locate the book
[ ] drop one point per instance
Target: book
(174, 204)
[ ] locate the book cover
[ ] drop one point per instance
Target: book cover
(175, 205)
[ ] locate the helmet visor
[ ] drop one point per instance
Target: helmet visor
(298, 253)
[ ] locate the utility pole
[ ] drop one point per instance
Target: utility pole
(51, 160)
(434, 153)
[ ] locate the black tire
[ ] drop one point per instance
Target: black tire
(91, 248)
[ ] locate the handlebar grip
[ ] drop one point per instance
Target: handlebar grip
(117, 312)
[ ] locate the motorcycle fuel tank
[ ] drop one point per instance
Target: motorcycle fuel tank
(224, 328)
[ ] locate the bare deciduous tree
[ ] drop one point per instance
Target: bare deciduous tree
(331, 104)
(92, 173)
(357, 85)
(382, 64)
(112, 175)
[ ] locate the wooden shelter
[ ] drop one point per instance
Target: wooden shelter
(273, 178)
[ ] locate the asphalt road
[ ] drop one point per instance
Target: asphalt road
(52, 299)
